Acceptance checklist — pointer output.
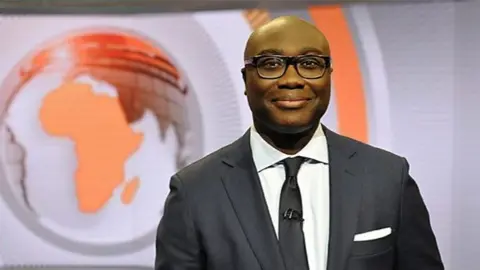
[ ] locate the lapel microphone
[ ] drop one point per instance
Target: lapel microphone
(292, 214)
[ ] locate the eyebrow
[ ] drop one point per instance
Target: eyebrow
(305, 50)
(308, 50)
(270, 52)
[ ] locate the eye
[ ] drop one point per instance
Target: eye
(312, 63)
(270, 63)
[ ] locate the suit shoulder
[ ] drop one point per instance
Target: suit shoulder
(385, 168)
(204, 165)
(369, 151)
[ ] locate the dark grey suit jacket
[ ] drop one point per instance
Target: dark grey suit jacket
(216, 217)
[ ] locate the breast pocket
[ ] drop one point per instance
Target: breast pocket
(375, 254)
(372, 247)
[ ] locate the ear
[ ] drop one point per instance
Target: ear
(244, 77)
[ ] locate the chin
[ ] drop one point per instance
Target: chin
(292, 128)
(287, 123)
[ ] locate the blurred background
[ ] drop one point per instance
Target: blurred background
(102, 101)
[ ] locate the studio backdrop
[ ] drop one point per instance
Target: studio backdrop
(97, 112)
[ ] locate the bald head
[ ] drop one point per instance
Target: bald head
(282, 34)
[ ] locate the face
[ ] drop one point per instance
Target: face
(291, 103)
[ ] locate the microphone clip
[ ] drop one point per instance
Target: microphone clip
(292, 214)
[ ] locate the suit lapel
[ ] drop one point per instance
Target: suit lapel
(345, 199)
(243, 187)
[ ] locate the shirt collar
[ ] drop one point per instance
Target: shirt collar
(265, 155)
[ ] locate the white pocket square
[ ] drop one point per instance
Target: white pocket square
(372, 235)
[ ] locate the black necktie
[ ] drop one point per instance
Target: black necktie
(292, 242)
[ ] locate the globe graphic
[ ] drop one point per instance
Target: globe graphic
(97, 125)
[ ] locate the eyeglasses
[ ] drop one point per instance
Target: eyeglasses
(275, 66)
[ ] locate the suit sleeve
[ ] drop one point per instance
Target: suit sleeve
(416, 244)
(177, 246)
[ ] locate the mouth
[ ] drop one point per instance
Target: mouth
(291, 103)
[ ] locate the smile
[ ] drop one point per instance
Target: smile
(291, 103)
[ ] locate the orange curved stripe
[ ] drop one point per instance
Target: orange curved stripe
(347, 76)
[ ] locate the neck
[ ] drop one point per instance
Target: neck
(288, 143)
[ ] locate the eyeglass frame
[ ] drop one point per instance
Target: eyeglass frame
(289, 60)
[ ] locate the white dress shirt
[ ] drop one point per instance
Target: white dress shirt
(313, 180)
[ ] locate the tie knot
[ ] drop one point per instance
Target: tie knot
(292, 165)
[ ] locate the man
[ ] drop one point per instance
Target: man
(291, 194)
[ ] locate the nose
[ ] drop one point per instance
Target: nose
(291, 79)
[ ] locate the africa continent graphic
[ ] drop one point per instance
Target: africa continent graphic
(103, 141)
